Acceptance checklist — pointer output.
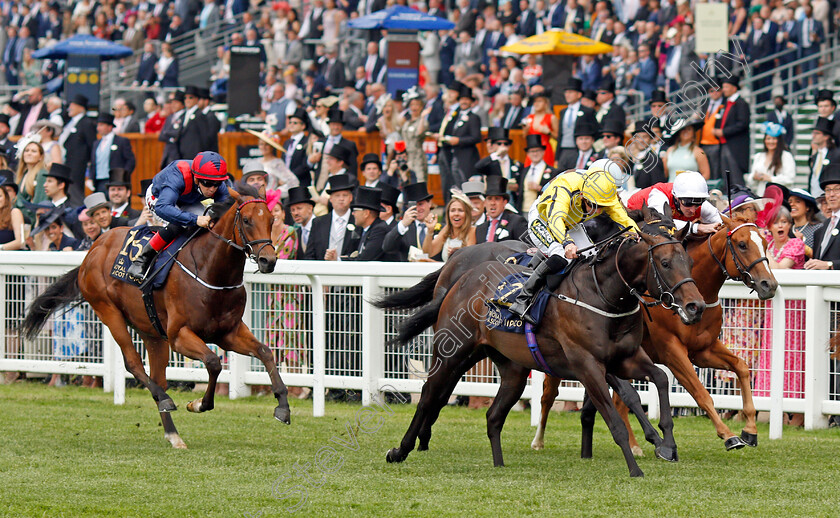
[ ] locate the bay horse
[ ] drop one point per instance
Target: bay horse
(737, 252)
(202, 302)
(575, 341)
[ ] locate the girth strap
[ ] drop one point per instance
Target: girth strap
(535, 351)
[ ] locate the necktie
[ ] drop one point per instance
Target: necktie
(422, 234)
(818, 165)
(580, 161)
(509, 120)
(827, 235)
(491, 233)
(289, 152)
(570, 117)
(305, 238)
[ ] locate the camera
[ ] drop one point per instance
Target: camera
(402, 164)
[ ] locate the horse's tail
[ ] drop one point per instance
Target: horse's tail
(65, 291)
(417, 322)
(418, 295)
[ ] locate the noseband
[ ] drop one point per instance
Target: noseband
(248, 246)
(743, 269)
(666, 292)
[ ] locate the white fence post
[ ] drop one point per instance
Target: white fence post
(318, 346)
(373, 342)
(239, 365)
(537, 379)
(108, 351)
(115, 366)
(777, 366)
(817, 323)
(653, 401)
(3, 326)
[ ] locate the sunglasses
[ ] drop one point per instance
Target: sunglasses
(209, 183)
(692, 202)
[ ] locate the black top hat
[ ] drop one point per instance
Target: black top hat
(607, 85)
(119, 177)
(645, 125)
(370, 158)
(204, 93)
(81, 100)
(144, 186)
(574, 84)
(340, 152)
(496, 186)
(60, 172)
(466, 91)
(586, 128)
(367, 198)
(4, 119)
(7, 177)
(455, 85)
(495, 134)
(335, 115)
(488, 167)
(733, 80)
(830, 175)
(341, 182)
(658, 96)
(590, 94)
(390, 194)
(416, 192)
(301, 115)
(192, 90)
(532, 141)
(613, 126)
(825, 95)
(106, 118)
(178, 95)
(824, 125)
(300, 195)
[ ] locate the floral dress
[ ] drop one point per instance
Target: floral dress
(283, 307)
(414, 148)
(794, 344)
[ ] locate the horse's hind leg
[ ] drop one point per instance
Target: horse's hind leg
(186, 342)
(550, 391)
(243, 341)
(158, 350)
(628, 400)
(111, 317)
(514, 377)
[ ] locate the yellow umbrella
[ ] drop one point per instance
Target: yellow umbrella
(556, 41)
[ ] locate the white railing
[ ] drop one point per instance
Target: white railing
(324, 334)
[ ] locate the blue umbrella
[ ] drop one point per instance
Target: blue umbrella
(85, 45)
(402, 18)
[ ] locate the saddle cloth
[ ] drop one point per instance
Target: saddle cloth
(135, 240)
(498, 313)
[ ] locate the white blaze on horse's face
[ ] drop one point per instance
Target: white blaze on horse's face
(758, 242)
(260, 213)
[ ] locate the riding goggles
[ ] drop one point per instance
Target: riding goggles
(208, 183)
(692, 202)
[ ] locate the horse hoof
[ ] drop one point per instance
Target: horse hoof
(667, 453)
(734, 443)
(176, 441)
(537, 445)
(423, 447)
(637, 451)
(283, 415)
(393, 456)
(637, 473)
(750, 439)
(166, 405)
(194, 406)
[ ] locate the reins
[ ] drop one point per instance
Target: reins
(248, 246)
(743, 269)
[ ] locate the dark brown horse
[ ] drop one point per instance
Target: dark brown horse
(576, 342)
(202, 302)
(736, 251)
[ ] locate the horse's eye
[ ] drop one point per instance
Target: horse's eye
(246, 221)
(666, 263)
(742, 245)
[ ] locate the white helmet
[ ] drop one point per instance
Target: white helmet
(690, 184)
(605, 164)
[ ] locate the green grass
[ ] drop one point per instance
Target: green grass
(71, 452)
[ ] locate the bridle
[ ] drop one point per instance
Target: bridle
(248, 246)
(666, 296)
(743, 268)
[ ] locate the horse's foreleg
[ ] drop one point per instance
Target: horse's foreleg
(677, 360)
(550, 391)
(186, 342)
(158, 360)
(719, 357)
(243, 341)
(626, 399)
(591, 374)
(587, 426)
(513, 380)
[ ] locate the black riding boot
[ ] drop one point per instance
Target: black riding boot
(140, 266)
(534, 284)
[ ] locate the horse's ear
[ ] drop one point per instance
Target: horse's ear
(726, 220)
(262, 192)
(235, 195)
(645, 211)
(668, 214)
(647, 238)
(681, 234)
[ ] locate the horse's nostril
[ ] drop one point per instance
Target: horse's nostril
(691, 308)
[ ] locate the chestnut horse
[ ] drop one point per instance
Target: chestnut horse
(737, 252)
(202, 302)
(581, 340)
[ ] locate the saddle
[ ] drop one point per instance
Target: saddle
(498, 313)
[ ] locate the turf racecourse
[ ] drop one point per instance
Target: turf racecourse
(71, 452)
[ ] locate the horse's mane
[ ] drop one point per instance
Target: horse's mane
(218, 209)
